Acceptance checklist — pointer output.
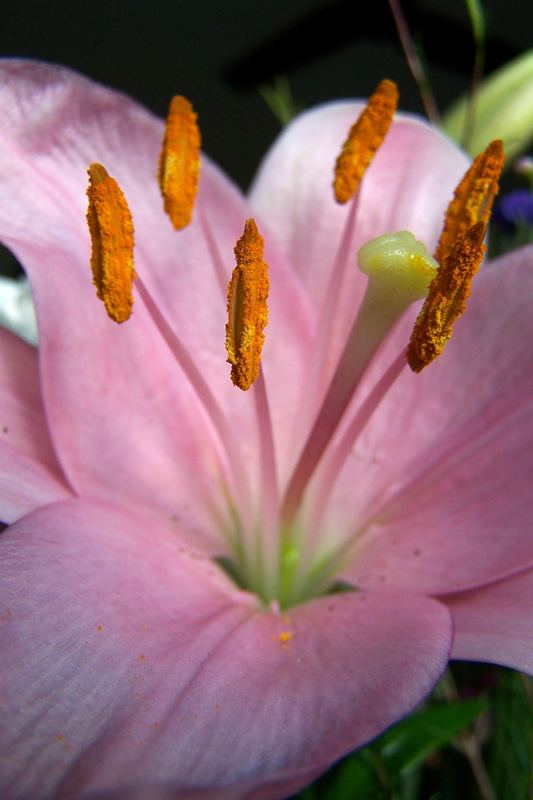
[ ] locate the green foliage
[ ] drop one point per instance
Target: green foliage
(476, 13)
(509, 752)
(503, 109)
(279, 99)
(473, 749)
(409, 743)
(388, 767)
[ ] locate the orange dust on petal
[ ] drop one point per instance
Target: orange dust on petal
(284, 637)
(111, 229)
(472, 200)
(179, 163)
(365, 138)
(446, 300)
(247, 308)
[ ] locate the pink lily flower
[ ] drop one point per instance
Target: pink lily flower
(132, 665)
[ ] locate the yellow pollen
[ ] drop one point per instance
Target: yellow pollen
(364, 139)
(179, 163)
(446, 299)
(284, 637)
(472, 200)
(111, 229)
(247, 308)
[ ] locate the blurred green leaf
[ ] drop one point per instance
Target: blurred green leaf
(386, 769)
(477, 20)
(412, 740)
(356, 777)
(279, 99)
(509, 752)
(311, 793)
(503, 109)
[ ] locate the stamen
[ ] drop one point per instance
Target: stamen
(364, 139)
(111, 229)
(446, 299)
(472, 200)
(247, 308)
(179, 163)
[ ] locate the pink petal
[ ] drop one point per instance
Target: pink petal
(495, 623)
(442, 474)
(30, 475)
(53, 124)
(128, 661)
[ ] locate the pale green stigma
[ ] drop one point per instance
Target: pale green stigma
(398, 266)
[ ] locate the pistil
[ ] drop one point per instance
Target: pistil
(399, 271)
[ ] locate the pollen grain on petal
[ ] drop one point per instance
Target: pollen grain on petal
(111, 230)
(446, 299)
(179, 163)
(472, 200)
(364, 139)
(247, 308)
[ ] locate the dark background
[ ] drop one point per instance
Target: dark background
(218, 53)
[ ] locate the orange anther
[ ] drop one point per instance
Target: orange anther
(472, 200)
(364, 139)
(247, 308)
(111, 229)
(179, 163)
(446, 300)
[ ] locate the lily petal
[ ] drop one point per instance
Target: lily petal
(495, 623)
(129, 661)
(30, 475)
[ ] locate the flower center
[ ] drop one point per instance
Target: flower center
(288, 544)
